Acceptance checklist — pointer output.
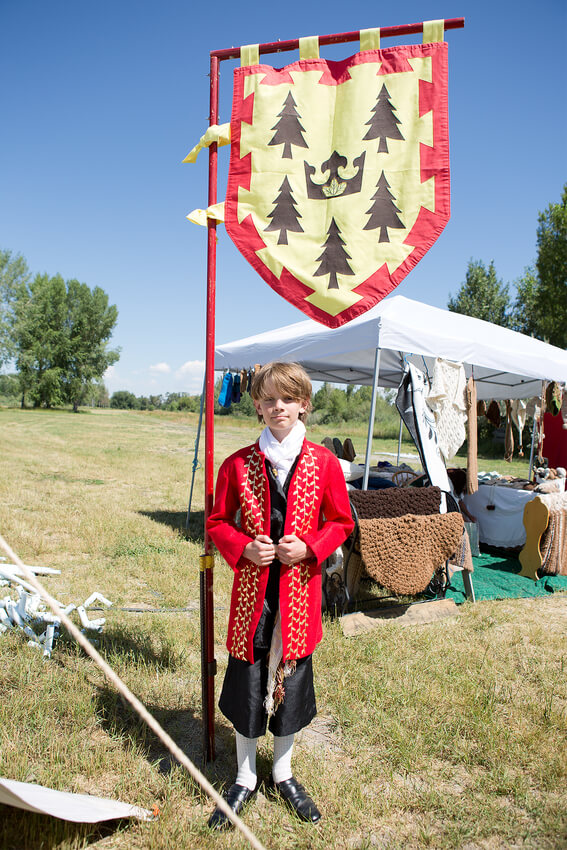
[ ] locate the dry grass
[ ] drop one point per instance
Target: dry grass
(449, 735)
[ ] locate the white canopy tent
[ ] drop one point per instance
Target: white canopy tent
(504, 363)
(374, 349)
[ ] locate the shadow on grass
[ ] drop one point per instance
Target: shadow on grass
(185, 726)
(135, 646)
(128, 645)
(177, 520)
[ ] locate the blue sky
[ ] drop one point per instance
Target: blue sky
(101, 102)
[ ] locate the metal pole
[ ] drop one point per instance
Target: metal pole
(195, 457)
(371, 419)
(535, 427)
(399, 441)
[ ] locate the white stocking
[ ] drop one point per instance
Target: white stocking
(246, 758)
(283, 749)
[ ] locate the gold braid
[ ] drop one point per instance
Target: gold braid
(303, 499)
(252, 493)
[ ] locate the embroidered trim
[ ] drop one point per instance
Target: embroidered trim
(246, 591)
(304, 499)
(252, 494)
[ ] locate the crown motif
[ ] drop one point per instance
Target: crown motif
(335, 185)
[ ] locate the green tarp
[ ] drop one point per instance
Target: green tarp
(496, 577)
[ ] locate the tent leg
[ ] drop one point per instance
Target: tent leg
(371, 420)
(399, 441)
(195, 458)
(535, 426)
(469, 589)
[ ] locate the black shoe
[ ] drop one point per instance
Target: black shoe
(297, 799)
(236, 797)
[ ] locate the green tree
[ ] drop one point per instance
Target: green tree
(14, 275)
(124, 400)
(39, 338)
(9, 387)
(482, 295)
(525, 316)
(60, 334)
(540, 308)
(95, 394)
(90, 321)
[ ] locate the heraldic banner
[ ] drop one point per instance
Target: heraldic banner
(339, 174)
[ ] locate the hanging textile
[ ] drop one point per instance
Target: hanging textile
(339, 171)
(509, 437)
(418, 419)
(554, 445)
(225, 395)
(519, 409)
(493, 413)
(472, 437)
(446, 399)
(553, 398)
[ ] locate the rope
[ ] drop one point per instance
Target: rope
(138, 706)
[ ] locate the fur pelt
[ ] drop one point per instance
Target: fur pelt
(403, 553)
(396, 501)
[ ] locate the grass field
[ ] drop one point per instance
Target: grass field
(447, 735)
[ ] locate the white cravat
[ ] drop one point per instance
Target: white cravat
(282, 455)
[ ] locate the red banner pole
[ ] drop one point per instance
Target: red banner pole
(208, 663)
(337, 38)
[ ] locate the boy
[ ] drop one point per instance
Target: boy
(294, 511)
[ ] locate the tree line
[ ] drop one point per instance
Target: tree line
(539, 308)
(55, 332)
(330, 406)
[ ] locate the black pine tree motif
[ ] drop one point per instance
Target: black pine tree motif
(288, 128)
(384, 123)
(284, 215)
(383, 210)
(334, 257)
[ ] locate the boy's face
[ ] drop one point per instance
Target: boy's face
(279, 414)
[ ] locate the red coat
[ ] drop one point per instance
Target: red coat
(318, 512)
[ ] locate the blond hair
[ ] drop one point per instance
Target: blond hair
(289, 379)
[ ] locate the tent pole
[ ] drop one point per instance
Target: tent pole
(399, 442)
(195, 463)
(535, 427)
(371, 420)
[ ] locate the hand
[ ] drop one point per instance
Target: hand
(291, 549)
(260, 551)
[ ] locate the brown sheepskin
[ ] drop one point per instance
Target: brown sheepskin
(396, 501)
(403, 553)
